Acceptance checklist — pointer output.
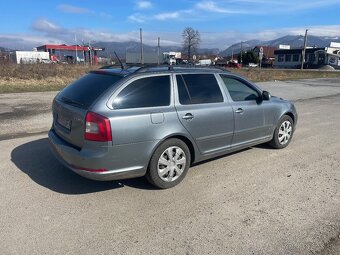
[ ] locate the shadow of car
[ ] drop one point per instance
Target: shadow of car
(37, 161)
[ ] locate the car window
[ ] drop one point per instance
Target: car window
(88, 88)
(144, 92)
(238, 90)
(198, 89)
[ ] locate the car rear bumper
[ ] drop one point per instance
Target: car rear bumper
(96, 166)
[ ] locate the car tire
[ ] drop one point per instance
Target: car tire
(283, 133)
(169, 164)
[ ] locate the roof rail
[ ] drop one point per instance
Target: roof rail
(111, 66)
(145, 68)
(139, 68)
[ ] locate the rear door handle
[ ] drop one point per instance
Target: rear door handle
(188, 116)
(239, 110)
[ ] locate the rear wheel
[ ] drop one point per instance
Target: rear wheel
(283, 133)
(169, 164)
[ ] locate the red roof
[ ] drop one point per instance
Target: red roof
(62, 47)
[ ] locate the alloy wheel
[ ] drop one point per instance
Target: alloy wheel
(171, 164)
(285, 132)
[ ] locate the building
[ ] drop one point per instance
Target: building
(315, 57)
(148, 58)
(268, 52)
(78, 52)
(29, 57)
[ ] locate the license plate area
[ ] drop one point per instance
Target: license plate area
(64, 122)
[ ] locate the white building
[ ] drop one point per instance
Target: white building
(315, 57)
(30, 57)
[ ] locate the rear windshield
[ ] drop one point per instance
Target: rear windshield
(87, 89)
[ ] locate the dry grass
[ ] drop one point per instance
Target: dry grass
(45, 77)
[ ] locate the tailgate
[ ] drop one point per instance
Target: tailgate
(69, 122)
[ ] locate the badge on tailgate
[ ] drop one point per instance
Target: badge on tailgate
(64, 122)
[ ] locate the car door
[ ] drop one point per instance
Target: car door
(203, 111)
(248, 111)
(142, 110)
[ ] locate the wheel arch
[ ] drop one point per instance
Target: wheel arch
(290, 114)
(185, 139)
(188, 143)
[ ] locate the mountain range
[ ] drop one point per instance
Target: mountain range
(295, 41)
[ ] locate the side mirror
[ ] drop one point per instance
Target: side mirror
(266, 95)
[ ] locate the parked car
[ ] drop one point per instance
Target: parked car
(253, 65)
(156, 121)
(232, 64)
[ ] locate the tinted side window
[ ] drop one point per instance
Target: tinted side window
(184, 97)
(238, 90)
(198, 89)
(144, 92)
(88, 88)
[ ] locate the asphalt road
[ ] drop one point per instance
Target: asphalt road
(258, 201)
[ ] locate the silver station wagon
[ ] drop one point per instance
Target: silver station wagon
(156, 121)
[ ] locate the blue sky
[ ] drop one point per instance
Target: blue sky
(25, 24)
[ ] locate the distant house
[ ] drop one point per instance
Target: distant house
(268, 52)
(222, 61)
(315, 57)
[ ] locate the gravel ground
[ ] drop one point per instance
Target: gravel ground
(257, 201)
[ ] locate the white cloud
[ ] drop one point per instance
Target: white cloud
(73, 9)
(167, 15)
(138, 18)
(305, 5)
(105, 15)
(261, 7)
(26, 41)
(46, 31)
(211, 6)
(223, 40)
(143, 5)
(44, 25)
(66, 8)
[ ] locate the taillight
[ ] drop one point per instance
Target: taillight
(97, 128)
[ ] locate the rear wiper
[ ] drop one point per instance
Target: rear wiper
(71, 101)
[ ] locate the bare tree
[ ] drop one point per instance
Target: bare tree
(191, 40)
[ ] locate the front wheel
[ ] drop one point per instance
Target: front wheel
(283, 133)
(169, 164)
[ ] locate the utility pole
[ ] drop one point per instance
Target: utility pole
(241, 54)
(141, 47)
(82, 42)
(304, 50)
(75, 40)
(90, 54)
(158, 50)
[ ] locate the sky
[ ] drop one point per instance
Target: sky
(221, 23)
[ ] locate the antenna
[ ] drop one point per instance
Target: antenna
(120, 62)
